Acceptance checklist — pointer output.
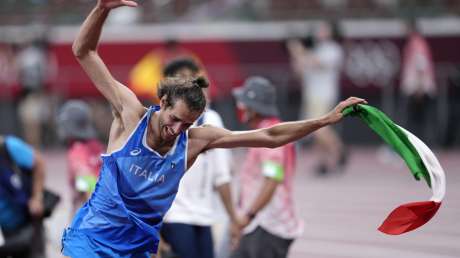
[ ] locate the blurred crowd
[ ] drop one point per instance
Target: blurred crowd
(68, 12)
(317, 62)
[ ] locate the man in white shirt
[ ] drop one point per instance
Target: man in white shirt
(187, 225)
(319, 69)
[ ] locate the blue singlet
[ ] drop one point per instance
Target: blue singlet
(135, 189)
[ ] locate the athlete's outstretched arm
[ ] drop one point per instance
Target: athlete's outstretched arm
(85, 50)
(270, 137)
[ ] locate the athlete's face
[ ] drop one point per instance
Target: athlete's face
(175, 119)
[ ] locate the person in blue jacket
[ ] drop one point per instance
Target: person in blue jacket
(21, 199)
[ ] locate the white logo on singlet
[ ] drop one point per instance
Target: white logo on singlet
(147, 175)
(135, 152)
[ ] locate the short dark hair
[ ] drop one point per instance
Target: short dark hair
(190, 90)
(177, 64)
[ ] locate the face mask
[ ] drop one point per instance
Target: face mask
(240, 114)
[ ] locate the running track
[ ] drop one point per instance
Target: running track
(341, 212)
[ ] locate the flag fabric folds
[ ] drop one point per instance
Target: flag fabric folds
(421, 162)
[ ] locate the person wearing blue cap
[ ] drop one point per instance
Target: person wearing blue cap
(149, 150)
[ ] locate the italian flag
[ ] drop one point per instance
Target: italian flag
(421, 162)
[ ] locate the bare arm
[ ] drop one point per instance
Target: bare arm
(226, 197)
(84, 48)
(263, 198)
(270, 137)
(235, 226)
(38, 176)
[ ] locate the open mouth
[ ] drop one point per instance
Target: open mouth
(168, 133)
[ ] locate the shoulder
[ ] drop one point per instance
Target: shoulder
(14, 143)
(20, 152)
(131, 118)
(138, 111)
(198, 132)
(207, 133)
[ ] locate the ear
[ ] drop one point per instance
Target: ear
(164, 102)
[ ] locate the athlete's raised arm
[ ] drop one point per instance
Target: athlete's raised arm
(270, 137)
(84, 48)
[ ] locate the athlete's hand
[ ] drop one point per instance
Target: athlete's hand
(336, 114)
(112, 4)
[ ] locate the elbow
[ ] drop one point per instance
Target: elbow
(272, 140)
(274, 143)
(78, 51)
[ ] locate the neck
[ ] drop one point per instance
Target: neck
(155, 129)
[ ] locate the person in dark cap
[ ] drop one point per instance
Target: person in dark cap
(270, 223)
(83, 155)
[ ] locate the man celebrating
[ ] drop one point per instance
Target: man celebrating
(187, 225)
(149, 150)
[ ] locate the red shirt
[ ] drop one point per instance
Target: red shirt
(278, 216)
(84, 160)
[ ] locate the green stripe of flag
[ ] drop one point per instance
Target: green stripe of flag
(393, 136)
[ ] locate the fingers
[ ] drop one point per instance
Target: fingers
(35, 208)
(111, 4)
(356, 100)
(353, 101)
(129, 3)
(235, 236)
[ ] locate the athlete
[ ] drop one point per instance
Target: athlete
(149, 150)
(187, 227)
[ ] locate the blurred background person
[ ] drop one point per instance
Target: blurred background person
(148, 71)
(36, 68)
(269, 219)
(187, 225)
(418, 88)
(75, 128)
(318, 66)
(21, 199)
